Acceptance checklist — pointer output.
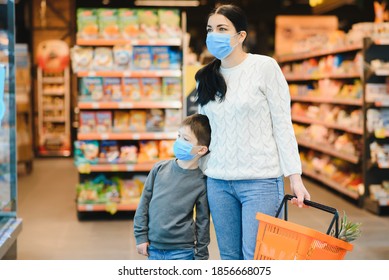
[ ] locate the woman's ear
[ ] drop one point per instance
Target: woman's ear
(242, 36)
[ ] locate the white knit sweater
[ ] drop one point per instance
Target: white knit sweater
(252, 133)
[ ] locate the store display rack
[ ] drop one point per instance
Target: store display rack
(121, 179)
(339, 149)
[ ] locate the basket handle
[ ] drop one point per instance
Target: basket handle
(335, 219)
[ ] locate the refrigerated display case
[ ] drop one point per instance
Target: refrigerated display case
(10, 223)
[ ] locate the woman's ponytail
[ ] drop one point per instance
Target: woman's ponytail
(210, 83)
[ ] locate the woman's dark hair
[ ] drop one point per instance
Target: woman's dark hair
(211, 83)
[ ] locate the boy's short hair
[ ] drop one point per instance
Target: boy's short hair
(199, 125)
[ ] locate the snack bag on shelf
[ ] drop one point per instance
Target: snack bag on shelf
(131, 89)
(171, 88)
(129, 154)
(173, 118)
(166, 149)
(87, 24)
(103, 121)
(109, 150)
(142, 57)
(148, 151)
(169, 23)
(103, 59)
(137, 120)
(148, 23)
(128, 23)
(88, 192)
(155, 120)
(122, 55)
(112, 89)
(121, 121)
(86, 151)
(91, 89)
(160, 57)
(87, 122)
(82, 58)
(108, 23)
(151, 88)
(129, 191)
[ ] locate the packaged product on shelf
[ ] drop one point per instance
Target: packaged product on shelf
(88, 192)
(91, 89)
(131, 89)
(87, 24)
(82, 58)
(129, 191)
(103, 121)
(171, 88)
(129, 154)
(151, 88)
(112, 89)
(148, 23)
(108, 23)
(121, 121)
(109, 151)
(160, 57)
(87, 122)
(148, 151)
(103, 59)
(122, 55)
(169, 23)
(175, 59)
(155, 120)
(173, 118)
(128, 23)
(377, 92)
(138, 120)
(165, 149)
(142, 57)
(86, 151)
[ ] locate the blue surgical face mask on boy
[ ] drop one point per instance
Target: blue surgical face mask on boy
(219, 44)
(182, 150)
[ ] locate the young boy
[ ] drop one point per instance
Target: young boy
(164, 226)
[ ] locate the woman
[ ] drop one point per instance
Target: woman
(253, 145)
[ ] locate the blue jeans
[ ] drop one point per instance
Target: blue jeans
(233, 206)
(173, 254)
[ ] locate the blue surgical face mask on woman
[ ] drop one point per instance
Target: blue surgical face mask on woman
(219, 44)
(182, 150)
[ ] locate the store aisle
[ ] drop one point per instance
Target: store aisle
(51, 229)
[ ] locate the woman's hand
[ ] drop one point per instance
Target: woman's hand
(142, 249)
(298, 189)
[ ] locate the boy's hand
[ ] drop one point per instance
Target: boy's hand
(142, 249)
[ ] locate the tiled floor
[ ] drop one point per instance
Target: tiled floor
(51, 230)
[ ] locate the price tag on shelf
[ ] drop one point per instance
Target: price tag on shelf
(89, 207)
(127, 74)
(84, 168)
(115, 167)
(95, 106)
(130, 167)
(92, 74)
(105, 136)
(126, 105)
(136, 136)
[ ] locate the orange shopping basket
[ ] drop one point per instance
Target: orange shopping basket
(279, 239)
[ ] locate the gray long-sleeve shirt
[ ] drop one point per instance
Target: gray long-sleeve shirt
(164, 216)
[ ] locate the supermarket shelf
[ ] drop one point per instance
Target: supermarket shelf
(133, 42)
(55, 153)
(330, 183)
(309, 54)
(358, 131)
(382, 72)
(328, 150)
(382, 103)
(54, 93)
(320, 77)
(54, 119)
(356, 102)
(127, 136)
(116, 167)
(22, 107)
(381, 41)
(53, 107)
(130, 105)
(134, 73)
(106, 207)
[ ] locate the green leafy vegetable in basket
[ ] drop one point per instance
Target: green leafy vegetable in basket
(348, 231)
